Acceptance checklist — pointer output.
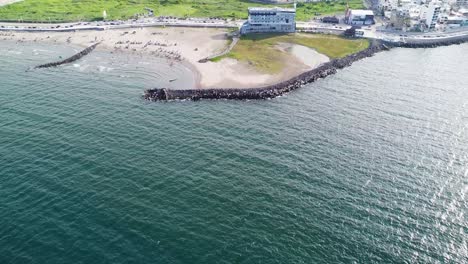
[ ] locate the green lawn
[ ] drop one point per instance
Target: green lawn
(260, 50)
(309, 10)
(89, 10)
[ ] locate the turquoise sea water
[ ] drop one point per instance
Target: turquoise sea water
(367, 166)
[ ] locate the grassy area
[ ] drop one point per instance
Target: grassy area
(90, 10)
(306, 11)
(260, 50)
(73, 10)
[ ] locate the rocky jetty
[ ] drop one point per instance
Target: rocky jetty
(432, 44)
(71, 59)
(429, 42)
(271, 91)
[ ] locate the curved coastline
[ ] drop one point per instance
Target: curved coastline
(266, 92)
(272, 91)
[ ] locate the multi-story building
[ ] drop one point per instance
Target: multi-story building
(432, 15)
(422, 14)
(456, 21)
(463, 12)
(359, 17)
(462, 3)
(270, 20)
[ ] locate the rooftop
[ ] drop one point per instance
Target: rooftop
(362, 12)
(456, 18)
(271, 9)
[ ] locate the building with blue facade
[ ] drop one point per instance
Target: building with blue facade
(270, 20)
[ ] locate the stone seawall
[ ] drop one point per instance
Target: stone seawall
(266, 92)
(271, 91)
(429, 42)
(71, 59)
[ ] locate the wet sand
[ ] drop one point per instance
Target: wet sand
(180, 46)
(306, 55)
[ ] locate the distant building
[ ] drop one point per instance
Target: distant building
(399, 19)
(462, 3)
(463, 12)
(359, 17)
(456, 21)
(270, 20)
(432, 16)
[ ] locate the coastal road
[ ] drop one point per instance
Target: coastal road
(371, 32)
(103, 25)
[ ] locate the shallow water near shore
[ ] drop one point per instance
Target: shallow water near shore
(369, 165)
(133, 69)
(306, 55)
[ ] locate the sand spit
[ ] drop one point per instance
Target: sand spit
(269, 91)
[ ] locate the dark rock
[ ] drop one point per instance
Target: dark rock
(71, 59)
(286, 86)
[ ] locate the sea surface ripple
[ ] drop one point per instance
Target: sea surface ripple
(366, 166)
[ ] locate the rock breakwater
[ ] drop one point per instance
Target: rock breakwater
(271, 91)
(428, 42)
(71, 59)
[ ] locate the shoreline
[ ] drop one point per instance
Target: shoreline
(269, 91)
(456, 40)
(183, 46)
(186, 46)
(272, 91)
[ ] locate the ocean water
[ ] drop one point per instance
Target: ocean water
(366, 166)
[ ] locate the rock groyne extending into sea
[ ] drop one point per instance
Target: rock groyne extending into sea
(71, 59)
(324, 70)
(271, 91)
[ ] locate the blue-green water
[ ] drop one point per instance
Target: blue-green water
(367, 166)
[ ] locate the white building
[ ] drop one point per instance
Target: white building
(386, 5)
(432, 15)
(359, 17)
(390, 5)
(270, 20)
(414, 11)
(456, 21)
(462, 3)
(463, 12)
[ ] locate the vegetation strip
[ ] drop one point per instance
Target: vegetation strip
(260, 50)
(92, 10)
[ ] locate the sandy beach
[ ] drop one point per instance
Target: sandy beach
(181, 45)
